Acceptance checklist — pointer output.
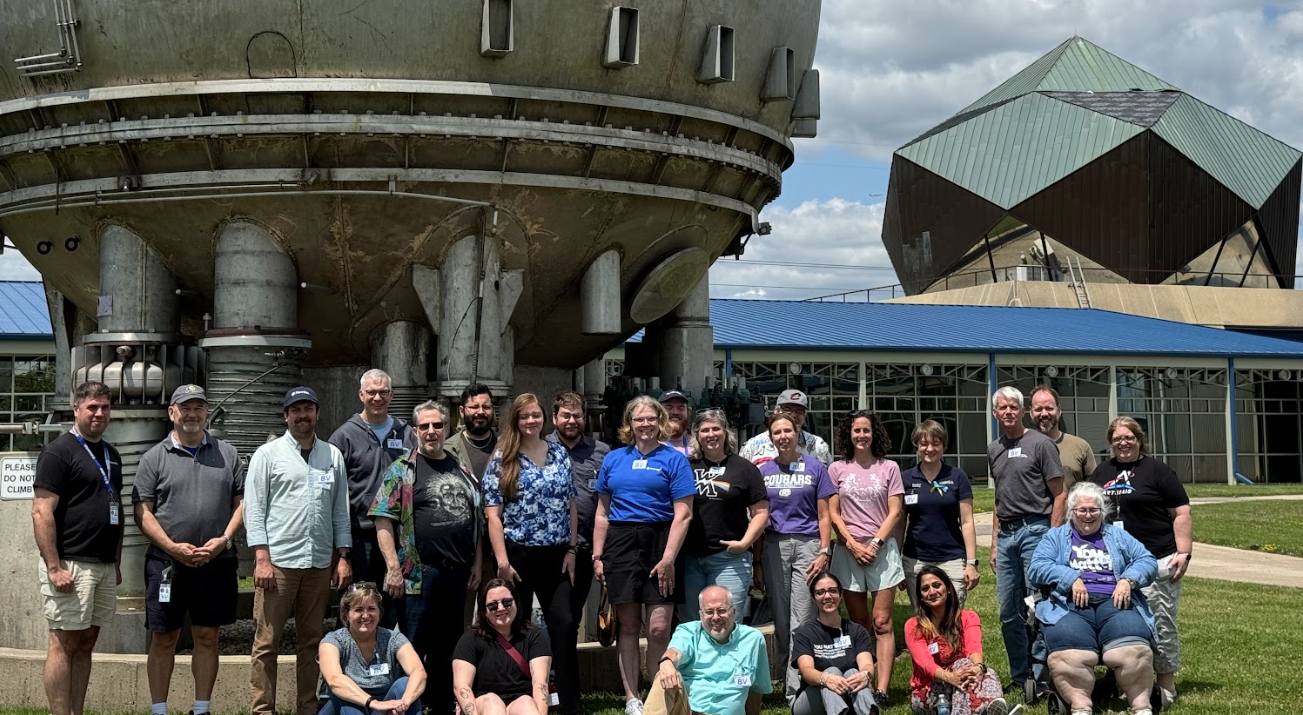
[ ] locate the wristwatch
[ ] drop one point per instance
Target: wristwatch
(972, 562)
(597, 557)
(877, 542)
(825, 551)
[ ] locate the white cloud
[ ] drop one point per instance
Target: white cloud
(13, 267)
(831, 232)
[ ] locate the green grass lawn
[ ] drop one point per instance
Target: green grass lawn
(1241, 490)
(1274, 527)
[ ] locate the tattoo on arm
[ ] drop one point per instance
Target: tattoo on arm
(468, 701)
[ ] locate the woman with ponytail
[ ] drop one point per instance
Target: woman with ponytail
(529, 498)
(945, 643)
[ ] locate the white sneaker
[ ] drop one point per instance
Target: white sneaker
(1169, 697)
(633, 706)
(997, 707)
(1017, 709)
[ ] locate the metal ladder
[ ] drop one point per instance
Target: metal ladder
(1077, 279)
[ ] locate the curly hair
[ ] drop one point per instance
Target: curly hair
(881, 440)
(662, 419)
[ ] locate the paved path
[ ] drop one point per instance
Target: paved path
(1223, 500)
(1217, 562)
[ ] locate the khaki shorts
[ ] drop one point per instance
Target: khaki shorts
(885, 572)
(92, 601)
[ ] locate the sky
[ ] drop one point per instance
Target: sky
(891, 69)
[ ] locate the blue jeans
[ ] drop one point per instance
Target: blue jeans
(335, 706)
(1013, 556)
(369, 565)
(1099, 627)
(434, 625)
(732, 571)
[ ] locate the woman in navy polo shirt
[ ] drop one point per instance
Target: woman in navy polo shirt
(939, 529)
(644, 503)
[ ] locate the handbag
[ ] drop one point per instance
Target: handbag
(605, 621)
(552, 700)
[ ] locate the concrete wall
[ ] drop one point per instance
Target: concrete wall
(545, 382)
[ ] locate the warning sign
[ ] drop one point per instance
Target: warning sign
(17, 473)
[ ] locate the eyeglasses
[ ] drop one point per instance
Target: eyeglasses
(832, 591)
(1086, 512)
(377, 393)
(716, 612)
(1122, 438)
(427, 426)
(362, 586)
(504, 604)
(644, 420)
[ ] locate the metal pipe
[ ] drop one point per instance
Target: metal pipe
(139, 288)
(34, 58)
(599, 295)
(42, 65)
(255, 281)
(43, 72)
(402, 349)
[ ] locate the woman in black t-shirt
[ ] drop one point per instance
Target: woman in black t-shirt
(1152, 506)
(501, 664)
(834, 656)
(729, 514)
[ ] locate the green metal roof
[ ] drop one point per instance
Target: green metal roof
(1077, 65)
(1015, 150)
(1246, 161)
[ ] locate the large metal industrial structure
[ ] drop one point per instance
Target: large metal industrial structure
(234, 192)
(1088, 167)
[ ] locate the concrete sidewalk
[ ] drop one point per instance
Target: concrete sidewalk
(1217, 562)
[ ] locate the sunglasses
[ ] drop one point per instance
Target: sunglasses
(427, 426)
(504, 604)
(362, 586)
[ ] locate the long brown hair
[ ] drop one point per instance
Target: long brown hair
(950, 628)
(509, 444)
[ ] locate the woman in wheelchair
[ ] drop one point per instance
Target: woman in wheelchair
(1094, 572)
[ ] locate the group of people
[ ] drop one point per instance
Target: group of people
(678, 523)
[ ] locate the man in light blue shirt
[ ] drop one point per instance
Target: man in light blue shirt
(715, 665)
(296, 516)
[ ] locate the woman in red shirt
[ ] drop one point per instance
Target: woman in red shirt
(946, 646)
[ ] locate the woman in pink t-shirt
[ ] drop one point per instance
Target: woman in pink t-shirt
(866, 511)
(946, 646)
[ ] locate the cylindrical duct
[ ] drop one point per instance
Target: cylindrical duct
(255, 283)
(133, 432)
(246, 389)
(137, 291)
(402, 349)
(599, 295)
(687, 345)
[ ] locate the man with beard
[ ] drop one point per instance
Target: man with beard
(1074, 453)
(370, 441)
(477, 439)
(1029, 499)
(760, 449)
(715, 665)
(188, 494)
(676, 406)
(77, 520)
(429, 514)
(296, 516)
(586, 455)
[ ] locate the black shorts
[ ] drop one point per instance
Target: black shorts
(632, 550)
(209, 593)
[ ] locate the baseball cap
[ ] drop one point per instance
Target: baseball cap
(793, 397)
(300, 394)
(185, 393)
(672, 395)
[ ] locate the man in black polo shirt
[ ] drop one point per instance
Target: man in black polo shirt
(586, 455)
(189, 495)
(77, 518)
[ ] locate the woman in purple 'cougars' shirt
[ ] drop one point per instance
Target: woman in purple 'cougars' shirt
(796, 544)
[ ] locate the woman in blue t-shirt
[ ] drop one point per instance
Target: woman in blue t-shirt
(939, 528)
(644, 503)
(529, 497)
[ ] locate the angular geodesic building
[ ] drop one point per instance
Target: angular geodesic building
(1083, 157)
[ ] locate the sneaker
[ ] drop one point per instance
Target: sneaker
(997, 707)
(633, 706)
(1016, 710)
(1168, 697)
(880, 698)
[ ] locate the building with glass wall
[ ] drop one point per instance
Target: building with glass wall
(909, 363)
(26, 360)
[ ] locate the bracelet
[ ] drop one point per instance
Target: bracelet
(822, 678)
(370, 700)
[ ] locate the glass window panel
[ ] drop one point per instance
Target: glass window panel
(1282, 433)
(1282, 468)
(6, 403)
(1208, 434)
(975, 387)
(29, 403)
(1181, 464)
(970, 435)
(24, 442)
(898, 425)
(6, 373)
(1092, 427)
(1209, 469)
(975, 467)
(820, 403)
(1250, 466)
(842, 404)
(1175, 433)
(936, 385)
(34, 375)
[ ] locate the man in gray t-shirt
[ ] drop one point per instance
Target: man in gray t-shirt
(1029, 499)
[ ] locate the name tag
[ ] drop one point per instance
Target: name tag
(592, 483)
(797, 466)
(933, 648)
(394, 444)
(1015, 452)
(165, 593)
(841, 642)
(639, 464)
(742, 681)
(715, 472)
(115, 518)
(911, 499)
(378, 669)
(553, 700)
(1119, 525)
(323, 478)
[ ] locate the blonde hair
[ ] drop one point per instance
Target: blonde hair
(357, 593)
(662, 419)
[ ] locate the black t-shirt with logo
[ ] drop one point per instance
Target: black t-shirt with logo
(443, 511)
(719, 511)
(831, 647)
(1142, 492)
(81, 519)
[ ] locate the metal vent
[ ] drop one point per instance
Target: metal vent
(717, 56)
(497, 31)
(622, 38)
(807, 100)
(780, 83)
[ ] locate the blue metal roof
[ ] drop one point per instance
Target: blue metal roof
(24, 314)
(761, 324)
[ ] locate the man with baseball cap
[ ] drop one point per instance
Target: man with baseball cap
(760, 449)
(188, 494)
(676, 406)
(296, 517)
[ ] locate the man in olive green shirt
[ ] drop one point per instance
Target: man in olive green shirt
(1074, 452)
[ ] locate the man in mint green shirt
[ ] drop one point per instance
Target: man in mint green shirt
(715, 665)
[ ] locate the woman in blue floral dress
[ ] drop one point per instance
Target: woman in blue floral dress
(529, 498)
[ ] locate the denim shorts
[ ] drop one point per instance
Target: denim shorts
(1099, 627)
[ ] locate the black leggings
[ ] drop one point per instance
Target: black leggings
(540, 573)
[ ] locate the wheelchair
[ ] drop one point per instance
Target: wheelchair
(1042, 685)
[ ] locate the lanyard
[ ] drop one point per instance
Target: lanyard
(108, 485)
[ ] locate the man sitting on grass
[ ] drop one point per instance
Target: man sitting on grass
(714, 665)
